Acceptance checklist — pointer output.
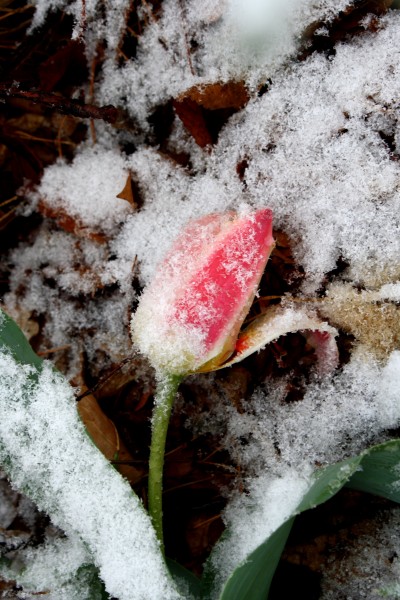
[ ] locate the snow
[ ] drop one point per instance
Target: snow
(348, 426)
(229, 44)
(47, 455)
(53, 566)
(326, 148)
(321, 147)
(87, 188)
(55, 271)
(369, 566)
(90, 21)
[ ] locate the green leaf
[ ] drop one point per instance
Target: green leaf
(87, 577)
(380, 471)
(185, 580)
(12, 339)
(376, 470)
(327, 482)
(252, 580)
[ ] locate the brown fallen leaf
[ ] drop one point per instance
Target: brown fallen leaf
(373, 322)
(214, 96)
(105, 435)
(69, 223)
(192, 116)
(69, 62)
(128, 193)
(204, 109)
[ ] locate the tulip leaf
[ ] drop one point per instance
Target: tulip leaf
(13, 340)
(252, 580)
(278, 321)
(380, 471)
(376, 470)
(185, 580)
(23, 401)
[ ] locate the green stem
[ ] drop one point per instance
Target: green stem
(166, 391)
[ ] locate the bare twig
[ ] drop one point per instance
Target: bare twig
(67, 106)
(103, 380)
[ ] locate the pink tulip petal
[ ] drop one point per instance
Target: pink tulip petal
(216, 299)
(325, 348)
(279, 321)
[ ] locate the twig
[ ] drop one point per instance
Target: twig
(8, 201)
(53, 350)
(67, 106)
(103, 380)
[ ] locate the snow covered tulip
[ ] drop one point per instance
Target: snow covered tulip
(189, 318)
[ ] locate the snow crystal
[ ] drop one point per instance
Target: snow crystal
(53, 568)
(310, 143)
(390, 291)
(54, 273)
(228, 43)
(353, 410)
(171, 199)
(48, 456)
(87, 189)
(90, 21)
(278, 444)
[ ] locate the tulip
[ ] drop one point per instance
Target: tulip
(189, 318)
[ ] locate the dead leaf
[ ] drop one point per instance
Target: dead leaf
(204, 109)
(191, 115)
(375, 324)
(214, 96)
(128, 193)
(105, 435)
(69, 223)
(67, 62)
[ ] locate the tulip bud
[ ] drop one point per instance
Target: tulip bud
(189, 317)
